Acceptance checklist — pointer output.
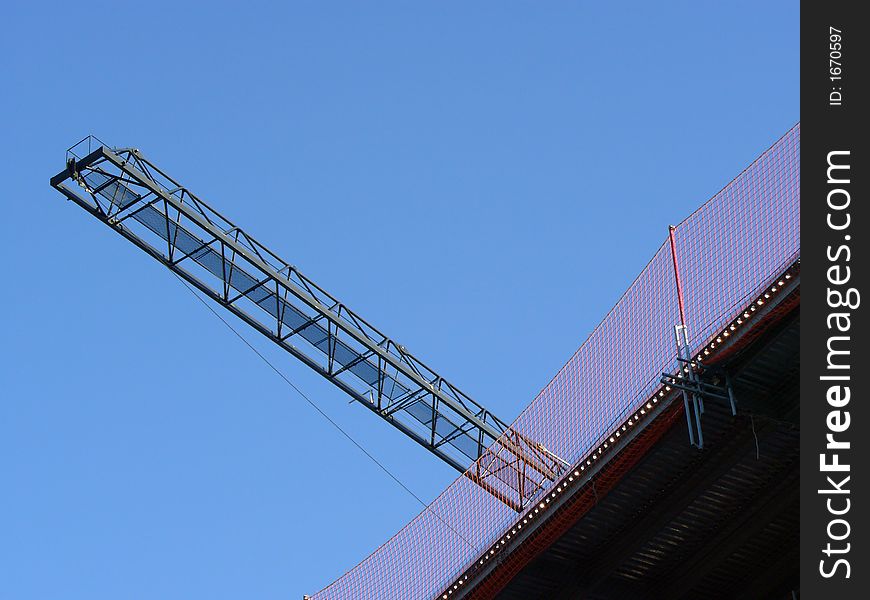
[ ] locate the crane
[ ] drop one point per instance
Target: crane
(138, 200)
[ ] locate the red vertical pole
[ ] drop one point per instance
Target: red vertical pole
(671, 229)
(683, 352)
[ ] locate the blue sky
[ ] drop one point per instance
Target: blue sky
(481, 182)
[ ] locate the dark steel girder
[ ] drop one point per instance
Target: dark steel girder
(134, 197)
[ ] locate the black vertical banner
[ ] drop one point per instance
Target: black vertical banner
(835, 299)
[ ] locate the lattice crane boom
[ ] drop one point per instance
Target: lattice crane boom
(138, 200)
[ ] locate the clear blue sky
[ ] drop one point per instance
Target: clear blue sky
(482, 182)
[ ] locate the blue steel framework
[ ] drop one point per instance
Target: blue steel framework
(138, 200)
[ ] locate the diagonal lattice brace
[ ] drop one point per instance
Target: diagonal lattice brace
(142, 203)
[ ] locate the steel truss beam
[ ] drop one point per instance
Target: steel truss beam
(134, 197)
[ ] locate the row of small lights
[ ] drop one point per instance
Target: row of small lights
(564, 484)
(743, 319)
(632, 421)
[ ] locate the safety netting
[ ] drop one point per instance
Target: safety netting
(727, 251)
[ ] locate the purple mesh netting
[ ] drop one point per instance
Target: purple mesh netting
(728, 249)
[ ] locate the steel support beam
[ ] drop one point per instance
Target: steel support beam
(135, 198)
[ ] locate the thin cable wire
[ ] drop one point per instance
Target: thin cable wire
(757, 450)
(319, 410)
